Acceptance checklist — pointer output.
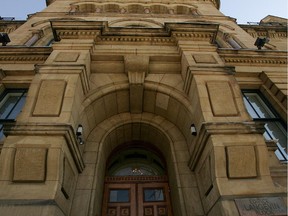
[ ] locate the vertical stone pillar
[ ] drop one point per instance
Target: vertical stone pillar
(41, 157)
(229, 155)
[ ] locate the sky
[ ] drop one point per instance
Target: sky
(243, 10)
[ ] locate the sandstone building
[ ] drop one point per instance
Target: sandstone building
(117, 108)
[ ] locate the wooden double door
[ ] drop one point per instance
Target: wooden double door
(136, 196)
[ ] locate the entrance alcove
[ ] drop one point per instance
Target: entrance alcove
(136, 182)
(150, 132)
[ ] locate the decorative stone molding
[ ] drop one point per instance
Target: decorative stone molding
(133, 8)
(274, 88)
(154, 40)
(253, 57)
(135, 178)
(24, 54)
(101, 31)
(263, 31)
(10, 26)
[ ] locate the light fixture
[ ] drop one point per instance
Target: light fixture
(4, 38)
(193, 130)
(79, 133)
(260, 42)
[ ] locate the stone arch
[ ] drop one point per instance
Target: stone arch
(108, 124)
(140, 22)
(158, 99)
(148, 128)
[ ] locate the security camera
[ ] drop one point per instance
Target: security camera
(260, 42)
(79, 130)
(4, 38)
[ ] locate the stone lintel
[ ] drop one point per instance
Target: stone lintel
(221, 128)
(36, 129)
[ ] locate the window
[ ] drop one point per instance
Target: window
(11, 104)
(260, 110)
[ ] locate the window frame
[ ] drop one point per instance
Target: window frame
(22, 93)
(281, 154)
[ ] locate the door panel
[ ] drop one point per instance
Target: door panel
(153, 199)
(119, 200)
(136, 199)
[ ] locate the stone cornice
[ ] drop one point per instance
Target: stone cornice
(67, 29)
(21, 54)
(264, 30)
(36, 129)
(219, 128)
(254, 57)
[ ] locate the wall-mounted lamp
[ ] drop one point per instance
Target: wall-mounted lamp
(193, 130)
(260, 42)
(79, 133)
(4, 38)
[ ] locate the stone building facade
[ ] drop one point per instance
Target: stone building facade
(142, 108)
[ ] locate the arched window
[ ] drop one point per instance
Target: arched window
(135, 162)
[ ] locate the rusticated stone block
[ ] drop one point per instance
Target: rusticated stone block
(30, 165)
(50, 98)
(221, 98)
(67, 57)
(241, 162)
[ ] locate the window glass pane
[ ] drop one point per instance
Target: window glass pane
(7, 105)
(17, 109)
(275, 131)
(1, 132)
(260, 108)
(153, 195)
(119, 195)
(250, 109)
(135, 162)
(131, 170)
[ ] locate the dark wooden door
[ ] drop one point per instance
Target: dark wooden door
(136, 197)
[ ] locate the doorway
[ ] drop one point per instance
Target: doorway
(136, 184)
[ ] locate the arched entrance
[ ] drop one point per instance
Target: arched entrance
(136, 183)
